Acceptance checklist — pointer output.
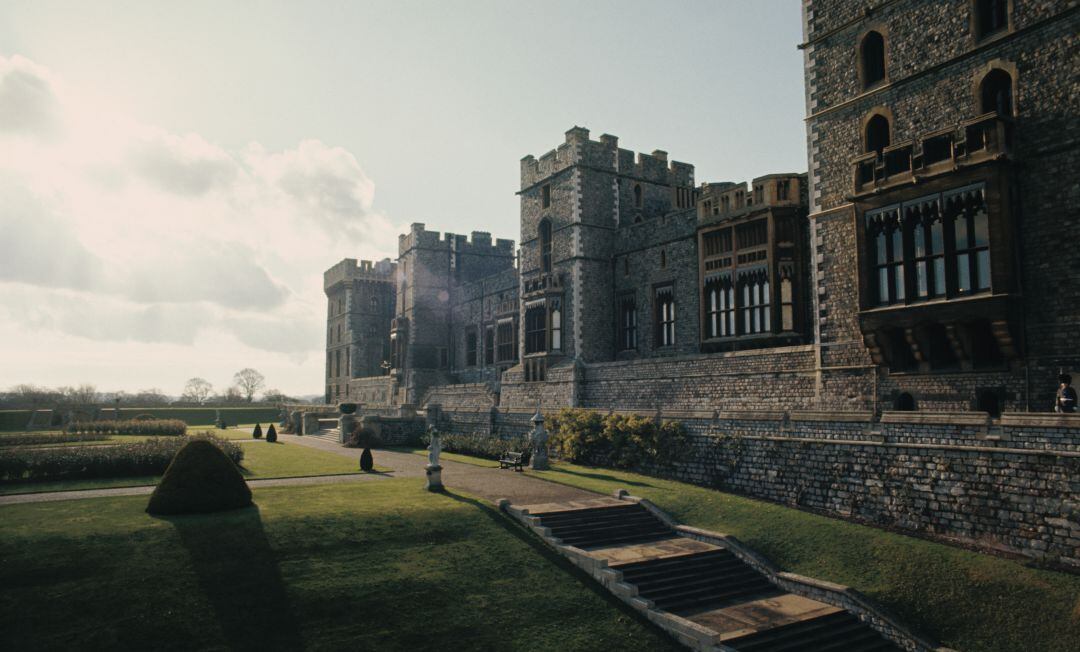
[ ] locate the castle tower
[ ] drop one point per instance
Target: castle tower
(431, 267)
(360, 306)
(573, 200)
(940, 200)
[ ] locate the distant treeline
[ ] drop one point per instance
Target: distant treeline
(193, 416)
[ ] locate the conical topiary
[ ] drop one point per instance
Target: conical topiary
(366, 461)
(271, 434)
(201, 478)
(257, 433)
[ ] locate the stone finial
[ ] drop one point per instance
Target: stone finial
(538, 417)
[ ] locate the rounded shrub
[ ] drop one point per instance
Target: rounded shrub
(200, 479)
(367, 462)
(257, 433)
(271, 434)
(347, 408)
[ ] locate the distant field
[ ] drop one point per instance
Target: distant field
(16, 419)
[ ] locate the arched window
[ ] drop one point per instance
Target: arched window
(990, 16)
(995, 93)
(877, 134)
(637, 195)
(904, 403)
(872, 58)
(545, 245)
(663, 259)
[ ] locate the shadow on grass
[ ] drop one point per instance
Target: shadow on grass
(602, 476)
(519, 531)
(238, 574)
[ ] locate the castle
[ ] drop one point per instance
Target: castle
(926, 262)
(877, 339)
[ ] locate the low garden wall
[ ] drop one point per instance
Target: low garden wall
(1010, 484)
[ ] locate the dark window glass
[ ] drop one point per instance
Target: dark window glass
(665, 316)
(535, 330)
(996, 93)
(873, 59)
(627, 324)
(489, 345)
(877, 134)
(991, 16)
(545, 246)
(470, 349)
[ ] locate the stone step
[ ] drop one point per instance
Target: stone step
(837, 632)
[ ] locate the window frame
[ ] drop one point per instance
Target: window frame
(664, 315)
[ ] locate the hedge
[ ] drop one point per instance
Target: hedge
(199, 416)
(166, 427)
(150, 457)
(35, 438)
(481, 445)
(615, 440)
(14, 419)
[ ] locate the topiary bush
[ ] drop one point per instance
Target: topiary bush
(200, 479)
(144, 417)
(271, 434)
(367, 462)
(257, 432)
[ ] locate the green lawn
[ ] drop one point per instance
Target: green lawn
(453, 457)
(367, 566)
(966, 600)
(261, 460)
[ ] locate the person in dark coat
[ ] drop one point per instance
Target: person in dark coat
(1066, 395)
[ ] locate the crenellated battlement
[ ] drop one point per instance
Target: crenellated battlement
(605, 154)
(478, 242)
(726, 198)
(349, 269)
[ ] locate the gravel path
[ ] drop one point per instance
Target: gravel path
(487, 483)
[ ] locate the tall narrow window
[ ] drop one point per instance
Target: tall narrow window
(872, 58)
(470, 349)
(626, 266)
(972, 237)
(489, 345)
(665, 316)
(337, 362)
(663, 259)
(505, 341)
(782, 189)
(990, 16)
(787, 304)
(545, 245)
(627, 324)
(928, 242)
(757, 317)
(556, 325)
(545, 196)
(995, 93)
(877, 134)
(535, 329)
(720, 307)
(348, 361)
(888, 241)
(637, 195)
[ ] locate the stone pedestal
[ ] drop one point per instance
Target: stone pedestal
(434, 477)
(539, 459)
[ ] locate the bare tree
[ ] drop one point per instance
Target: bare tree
(84, 394)
(197, 390)
(249, 381)
(233, 395)
(147, 397)
(277, 396)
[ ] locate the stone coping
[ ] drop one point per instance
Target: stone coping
(825, 415)
(1036, 420)
(938, 418)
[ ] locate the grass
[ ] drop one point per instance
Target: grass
(366, 566)
(965, 600)
(261, 460)
(453, 457)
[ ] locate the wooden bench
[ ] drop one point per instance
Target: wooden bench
(512, 460)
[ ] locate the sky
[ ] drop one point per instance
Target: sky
(175, 177)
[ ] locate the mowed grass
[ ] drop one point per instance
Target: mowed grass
(369, 566)
(966, 600)
(453, 457)
(261, 460)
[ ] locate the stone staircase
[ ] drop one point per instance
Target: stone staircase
(332, 435)
(708, 590)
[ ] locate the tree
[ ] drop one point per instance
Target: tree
(277, 396)
(197, 390)
(145, 397)
(232, 395)
(84, 394)
(249, 381)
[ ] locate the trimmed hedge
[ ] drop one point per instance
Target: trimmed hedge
(616, 440)
(35, 438)
(481, 445)
(164, 427)
(14, 419)
(199, 416)
(150, 457)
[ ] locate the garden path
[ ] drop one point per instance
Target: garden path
(488, 483)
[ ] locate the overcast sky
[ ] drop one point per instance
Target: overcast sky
(175, 177)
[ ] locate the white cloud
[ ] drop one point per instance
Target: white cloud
(116, 232)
